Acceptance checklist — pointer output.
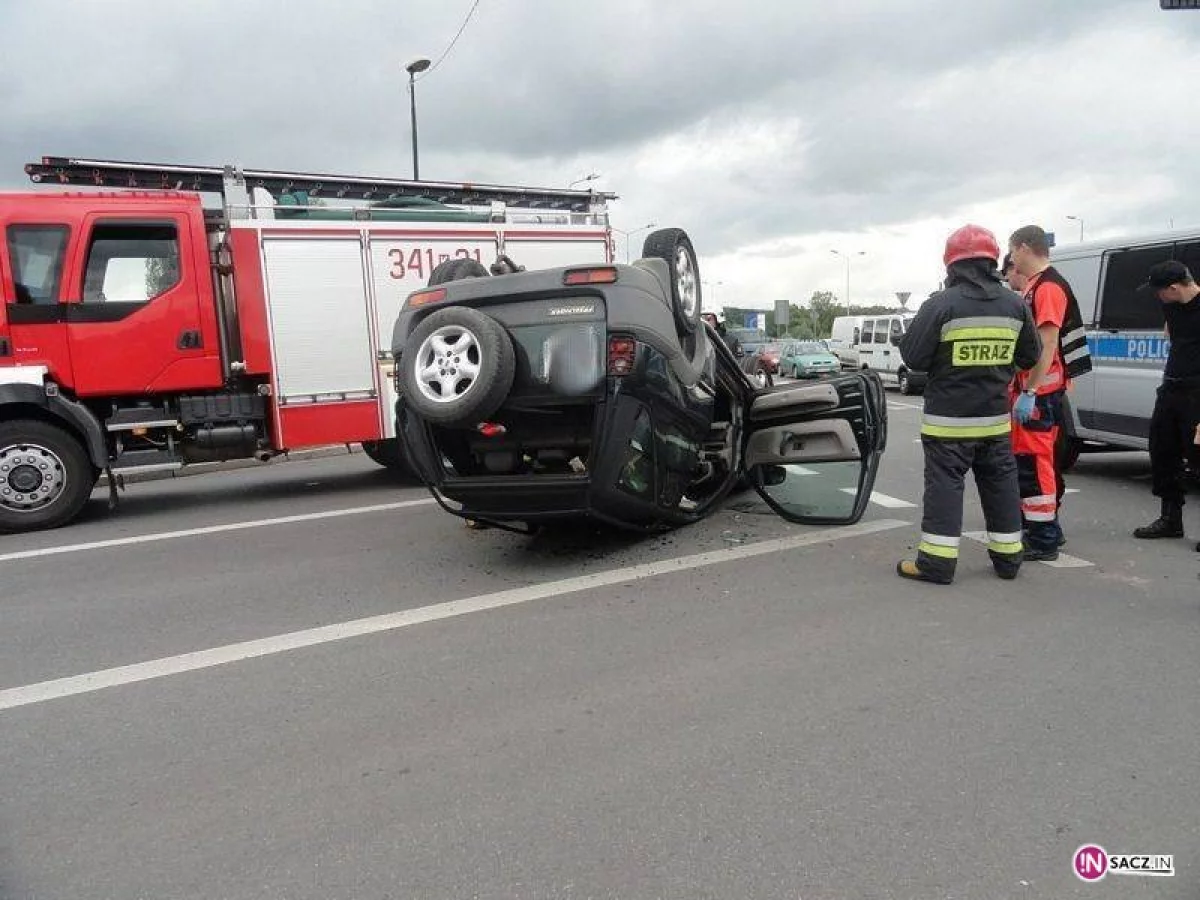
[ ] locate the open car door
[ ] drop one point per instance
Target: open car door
(812, 451)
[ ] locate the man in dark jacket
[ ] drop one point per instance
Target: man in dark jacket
(731, 341)
(1175, 423)
(970, 338)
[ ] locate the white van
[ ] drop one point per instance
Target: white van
(1110, 407)
(874, 343)
(843, 339)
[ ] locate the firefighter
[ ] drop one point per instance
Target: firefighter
(1038, 395)
(969, 337)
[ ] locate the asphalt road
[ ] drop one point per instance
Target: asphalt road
(705, 714)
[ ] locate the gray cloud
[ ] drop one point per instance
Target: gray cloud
(745, 123)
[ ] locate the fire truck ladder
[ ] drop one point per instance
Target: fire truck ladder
(234, 185)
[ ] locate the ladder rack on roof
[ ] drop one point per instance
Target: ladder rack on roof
(235, 184)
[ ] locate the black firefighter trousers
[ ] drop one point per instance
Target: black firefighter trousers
(947, 463)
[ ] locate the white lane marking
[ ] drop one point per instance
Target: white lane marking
(1071, 491)
(210, 529)
(800, 470)
(1063, 562)
(896, 404)
(231, 653)
(883, 499)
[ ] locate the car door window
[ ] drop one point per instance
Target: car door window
(1189, 255)
(36, 254)
(1122, 308)
(868, 331)
(131, 263)
(897, 331)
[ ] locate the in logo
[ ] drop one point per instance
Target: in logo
(1091, 863)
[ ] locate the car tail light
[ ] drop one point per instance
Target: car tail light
(622, 352)
(595, 275)
(491, 429)
(424, 298)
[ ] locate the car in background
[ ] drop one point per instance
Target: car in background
(807, 359)
(770, 354)
(751, 339)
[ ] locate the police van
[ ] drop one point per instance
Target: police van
(1109, 408)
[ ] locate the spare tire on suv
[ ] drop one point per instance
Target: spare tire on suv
(457, 367)
(673, 246)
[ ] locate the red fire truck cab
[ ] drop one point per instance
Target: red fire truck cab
(141, 330)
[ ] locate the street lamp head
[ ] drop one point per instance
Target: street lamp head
(417, 65)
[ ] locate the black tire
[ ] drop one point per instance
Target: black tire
(31, 449)
(674, 247)
(457, 269)
(905, 382)
(482, 342)
(387, 453)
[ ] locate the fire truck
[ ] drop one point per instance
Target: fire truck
(154, 316)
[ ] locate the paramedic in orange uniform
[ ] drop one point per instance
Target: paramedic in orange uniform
(1038, 393)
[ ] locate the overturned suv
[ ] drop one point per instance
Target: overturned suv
(595, 391)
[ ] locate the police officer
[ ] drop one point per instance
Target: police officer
(1175, 422)
(1012, 277)
(969, 337)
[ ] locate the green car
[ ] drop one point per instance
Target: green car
(807, 359)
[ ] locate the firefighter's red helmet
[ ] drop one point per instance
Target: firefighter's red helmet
(971, 242)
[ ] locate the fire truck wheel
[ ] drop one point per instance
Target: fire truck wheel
(45, 476)
(455, 269)
(457, 367)
(674, 246)
(387, 453)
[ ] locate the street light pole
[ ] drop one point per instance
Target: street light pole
(715, 284)
(417, 65)
(1080, 221)
(631, 232)
(846, 257)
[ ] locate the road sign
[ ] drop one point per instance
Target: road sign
(783, 314)
(903, 296)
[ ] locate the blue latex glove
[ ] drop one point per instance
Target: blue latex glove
(1023, 410)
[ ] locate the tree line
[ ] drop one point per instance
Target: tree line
(815, 320)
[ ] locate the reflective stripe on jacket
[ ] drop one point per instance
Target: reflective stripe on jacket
(970, 339)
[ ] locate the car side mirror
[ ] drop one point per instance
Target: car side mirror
(772, 476)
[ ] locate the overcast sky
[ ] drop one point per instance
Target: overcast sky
(774, 132)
